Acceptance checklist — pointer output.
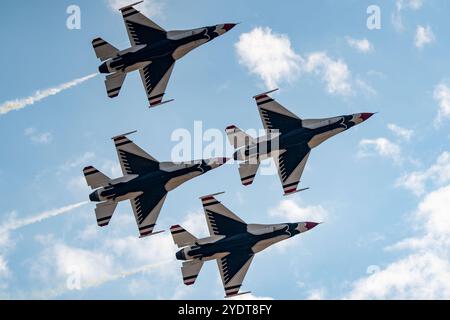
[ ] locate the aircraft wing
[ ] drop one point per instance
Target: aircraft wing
(141, 30)
(291, 164)
(221, 221)
(233, 269)
(274, 116)
(133, 160)
(155, 78)
(146, 208)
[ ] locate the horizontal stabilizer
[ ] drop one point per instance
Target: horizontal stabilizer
(190, 271)
(238, 138)
(247, 171)
(104, 50)
(104, 212)
(181, 237)
(114, 83)
(95, 178)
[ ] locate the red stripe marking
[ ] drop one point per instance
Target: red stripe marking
(175, 226)
(188, 283)
(261, 97)
(290, 190)
(207, 198)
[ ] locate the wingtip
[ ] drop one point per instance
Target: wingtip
(123, 135)
(211, 195)
(265, 93)
(130, 5)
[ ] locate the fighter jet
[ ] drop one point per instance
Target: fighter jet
(233, 243)
(289, 141)
(153, 52)
(145, 182)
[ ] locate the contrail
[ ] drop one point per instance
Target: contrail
(40, 95)
(61, 290)
(19, 223)
(124, 274)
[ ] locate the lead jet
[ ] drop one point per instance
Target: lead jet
(289, 141)
(145, 182)
(233, 243)
(153, 52)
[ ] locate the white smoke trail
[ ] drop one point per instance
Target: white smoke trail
(125, 274)
(18, 104)
(15, 224)
(61, 290)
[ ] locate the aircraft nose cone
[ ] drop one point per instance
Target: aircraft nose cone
(366, 115)
(229, 26)
(310, 225)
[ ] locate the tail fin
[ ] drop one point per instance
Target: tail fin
(190, 271)
(238, 138)
(114, 83)
(103, 50)
(104, 212)
(181, 237)
(94, 178)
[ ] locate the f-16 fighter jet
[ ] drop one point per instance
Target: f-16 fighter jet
(145, 182)
(153, 52)
(289, 141)
(233, 243)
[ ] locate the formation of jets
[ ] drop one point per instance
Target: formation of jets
(153, 52)
(146, 182)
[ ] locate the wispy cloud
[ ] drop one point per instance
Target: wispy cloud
(151, 8)
(442, 96)
(405, 134)
(14, 223)
(424, 36)
(335, 73)
(271, 57)
(381, 146)
(400, 6)
(423, 273)
(438, 173)
(21, 103)
(38, 137)
(361, 45)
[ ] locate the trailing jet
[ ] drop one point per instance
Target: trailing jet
(289, 141)
(233, 243)
(153, 52)
(145, 183)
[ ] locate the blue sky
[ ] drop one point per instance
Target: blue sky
(380, 188)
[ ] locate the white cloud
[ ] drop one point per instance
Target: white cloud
(18, 104)
(424, 36)
(150, 8)
(335, 73)
(425, 272)
(382, 146)
(14, 223)
(38, 137)
(250, 296)
(316, 294)
(438, 173)
(268, 55)
(362, 45)
(291, 211)
(442, 96)
(271, 57)
(403, 133)
(4, 270)
(400, 6)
